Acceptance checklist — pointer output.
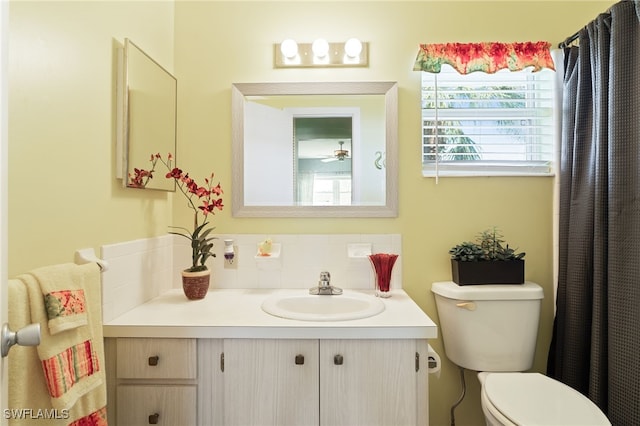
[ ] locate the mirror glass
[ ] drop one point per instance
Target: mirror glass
(315, 149)
(149, 119)
(322, 158)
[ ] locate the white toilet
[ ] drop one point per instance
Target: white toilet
(493, 329)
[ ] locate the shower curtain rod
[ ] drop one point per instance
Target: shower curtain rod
(575, 36)
(569, 40)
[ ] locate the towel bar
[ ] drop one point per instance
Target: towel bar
(88, 255)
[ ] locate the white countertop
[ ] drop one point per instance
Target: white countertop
(237, 313)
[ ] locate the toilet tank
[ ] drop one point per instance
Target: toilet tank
(489, 327)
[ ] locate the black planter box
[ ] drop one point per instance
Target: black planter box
(488, 272)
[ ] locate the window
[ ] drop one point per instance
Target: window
(331, 189)
(487, 124)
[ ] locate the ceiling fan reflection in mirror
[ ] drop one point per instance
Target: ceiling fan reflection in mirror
(338, 154)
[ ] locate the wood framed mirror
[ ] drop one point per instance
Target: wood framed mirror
(147, 117)
(315, 149)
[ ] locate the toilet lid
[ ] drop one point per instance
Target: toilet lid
(535, 399)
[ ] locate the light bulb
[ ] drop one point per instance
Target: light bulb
(320, 48)
(353, 47)
(289, 48)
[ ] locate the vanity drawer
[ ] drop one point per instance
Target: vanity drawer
(161, 405)
(156, 358)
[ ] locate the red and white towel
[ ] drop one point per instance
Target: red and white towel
(66, 301)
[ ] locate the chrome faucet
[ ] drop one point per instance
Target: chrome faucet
(324, 286)
(325, 280)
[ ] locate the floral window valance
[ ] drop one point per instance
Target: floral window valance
(485, 57)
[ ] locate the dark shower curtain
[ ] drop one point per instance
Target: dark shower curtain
(596, 337)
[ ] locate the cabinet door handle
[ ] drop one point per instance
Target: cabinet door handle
(299, 359)
(153, 418)
(153, 360)
(338, 359)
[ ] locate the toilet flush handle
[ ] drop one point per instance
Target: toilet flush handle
(469, 306)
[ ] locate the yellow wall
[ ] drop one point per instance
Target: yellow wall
(220, 43)
(63, 193)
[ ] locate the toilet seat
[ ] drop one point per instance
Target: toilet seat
(535, 399)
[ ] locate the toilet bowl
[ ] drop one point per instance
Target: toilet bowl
(510, 399)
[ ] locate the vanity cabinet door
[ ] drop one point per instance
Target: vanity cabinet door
(371, 382)
(271, 382)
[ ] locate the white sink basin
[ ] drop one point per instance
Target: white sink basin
(299, 305)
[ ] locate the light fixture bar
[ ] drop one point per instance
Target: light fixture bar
(336, 55)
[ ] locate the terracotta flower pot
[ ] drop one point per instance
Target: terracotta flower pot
(196, 284)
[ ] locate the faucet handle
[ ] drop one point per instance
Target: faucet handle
(324, 285)
(325, 280)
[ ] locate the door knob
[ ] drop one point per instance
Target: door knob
(26, 336)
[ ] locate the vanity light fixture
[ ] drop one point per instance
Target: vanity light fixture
(321, 53)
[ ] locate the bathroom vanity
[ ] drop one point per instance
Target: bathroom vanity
(224, 361)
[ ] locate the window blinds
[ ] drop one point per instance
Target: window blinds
(489, 124)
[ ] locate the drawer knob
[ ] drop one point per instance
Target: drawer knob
(338, 360)
(153, 360)
(153, 419)
(299, 359)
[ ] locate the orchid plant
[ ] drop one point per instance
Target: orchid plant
(209, 196)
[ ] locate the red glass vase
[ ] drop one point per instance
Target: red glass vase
(383, 267)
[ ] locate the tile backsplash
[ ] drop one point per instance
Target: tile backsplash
(142, 269)
(138, 271)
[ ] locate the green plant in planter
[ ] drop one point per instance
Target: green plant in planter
(467, 252)
(489, 245)
(487, 260)
(494, 247)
